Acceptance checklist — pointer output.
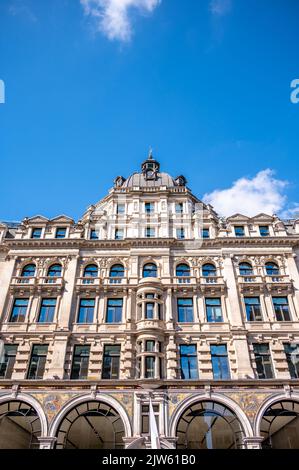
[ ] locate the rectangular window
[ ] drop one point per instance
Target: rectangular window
(214, 310)
(185, 311)
(188, 360)
(263, 361)
(239, 231)
(150, 346)
(149, 372)
(145, 417)
(47, 311)
(149, 311)
(149, 232)
(292, 354)
(149, 207)
(114, 311)
(94, 234)
(253, 309)
(205, 233)
(80, 362)
(264, 230)
(36, 233)
(37, 362)
(121, 208)
(60, 232)
(19, 310)
(111, 362)
(8, 361)
(179, 208)
(119, 234)
(281, 307)
(180, 233)
(86, 311)
(220, 362)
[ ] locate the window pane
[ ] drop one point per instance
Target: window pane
(253, 309)
(47, 311)
(36, 233)
(189, 369)
(19, 310)
(149, 367)
(37, 362)
(185, 311)
(220, 362)
(114, 311)
(149, 311)
(281, 307)
(292, 355)
(214, 310)
(239, 231)
(8, 361)
(111, 362)
(60, 233)
(86, 311)
(263, 361)
(80, 362)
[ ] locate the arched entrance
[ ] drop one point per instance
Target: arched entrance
(20, 426)
(91, 425)
(208, 424)
(280, 425)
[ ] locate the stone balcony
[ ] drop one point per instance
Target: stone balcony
(250, 283)
(150, 325)
(37, 285)
(88, 284)
(279, 284)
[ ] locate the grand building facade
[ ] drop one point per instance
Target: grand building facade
(150, 298)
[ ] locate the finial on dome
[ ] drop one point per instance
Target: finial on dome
(150, 153)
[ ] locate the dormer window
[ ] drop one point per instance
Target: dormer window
(36, 233)
(60, 232)
(264, 230)
(239, 231)
(94, 235)
(205, 233)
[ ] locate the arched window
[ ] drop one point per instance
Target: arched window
(20, 426)
(92, 424)
(29, 270)
(245, 269)
(209, 425)
(272, 269)
(280, 426)
(183, 270)
(209, 270)
(90, 272)
(150, 270)
(55, 270)
(117, 272)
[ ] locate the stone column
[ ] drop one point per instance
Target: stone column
(67, 303)
(6, 272)
(47, 442)
(234, 308)
(58, 358)
(244, 368)
(254, 442)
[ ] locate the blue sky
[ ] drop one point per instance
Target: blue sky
(92, 84)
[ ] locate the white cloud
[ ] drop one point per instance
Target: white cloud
(220, 7)
(112, 17)
(262, 193)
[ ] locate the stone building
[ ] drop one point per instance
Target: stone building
(149, 298)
